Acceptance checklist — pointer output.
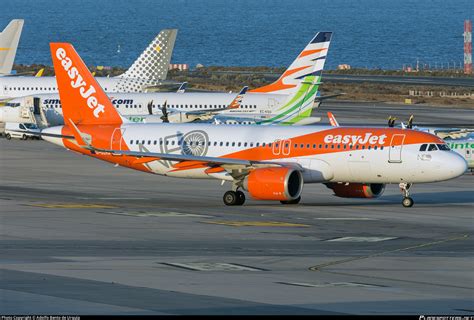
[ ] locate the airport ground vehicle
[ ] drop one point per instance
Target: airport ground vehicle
(269, 162)
(22, 131)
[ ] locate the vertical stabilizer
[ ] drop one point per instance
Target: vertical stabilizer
(310, 62)
(82, 98)
(152, 65)
(9, 39)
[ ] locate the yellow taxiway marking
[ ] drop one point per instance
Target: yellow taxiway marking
(257, 224)
(73, 206)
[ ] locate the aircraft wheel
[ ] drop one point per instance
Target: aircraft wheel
(295, 201)
(8, 136)
(407, 202)
(230, 198)
(240, 198)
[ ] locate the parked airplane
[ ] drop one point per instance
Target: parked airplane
(270, 162)
(463, 146)
(9, 39)
(264, 106)
(149, 70)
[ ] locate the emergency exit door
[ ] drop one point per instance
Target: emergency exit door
(396, 147)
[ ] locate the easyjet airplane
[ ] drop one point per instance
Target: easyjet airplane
(269, 162)
(150, 69)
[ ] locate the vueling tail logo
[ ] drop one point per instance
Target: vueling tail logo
(79, 83)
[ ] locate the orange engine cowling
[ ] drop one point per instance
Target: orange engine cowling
(357, 190)
(281, 184)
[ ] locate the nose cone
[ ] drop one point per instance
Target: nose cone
(456, 165)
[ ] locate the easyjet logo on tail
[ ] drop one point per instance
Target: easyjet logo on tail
(77, 82)
(355, 139)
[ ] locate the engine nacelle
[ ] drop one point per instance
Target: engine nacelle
(281, 184)
(357, 190)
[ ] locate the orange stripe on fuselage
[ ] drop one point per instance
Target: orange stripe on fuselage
(266, 153)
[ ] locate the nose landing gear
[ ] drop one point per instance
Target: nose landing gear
(407, 202)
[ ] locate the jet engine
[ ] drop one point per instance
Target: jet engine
(357, 190)
(284, 184)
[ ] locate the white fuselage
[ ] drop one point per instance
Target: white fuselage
(20, 86)
(134, 106)
(325, 154)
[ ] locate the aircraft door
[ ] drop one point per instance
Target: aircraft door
(276, 147)
(396, 146)
(36, 106)
(117, 139)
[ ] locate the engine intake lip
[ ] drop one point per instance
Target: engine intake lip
(293, 184)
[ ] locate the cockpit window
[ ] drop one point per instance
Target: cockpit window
(432, 147)
(423, 147)
(443, 147)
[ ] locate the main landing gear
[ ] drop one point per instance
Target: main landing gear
(234, 198)
(407, 202)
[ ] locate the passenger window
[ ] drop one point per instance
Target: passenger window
(131, 141)
(432, 147)
(423, 147)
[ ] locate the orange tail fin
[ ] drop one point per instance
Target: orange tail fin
(83, 100)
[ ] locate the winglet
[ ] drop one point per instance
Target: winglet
(182, 87)
(236, 103)
(332, 120)
(39, 73)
